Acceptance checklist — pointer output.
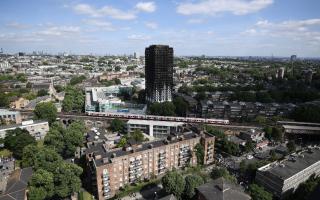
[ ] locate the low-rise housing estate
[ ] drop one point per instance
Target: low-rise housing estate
(37, 129)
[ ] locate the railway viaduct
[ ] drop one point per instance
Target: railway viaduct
(98, 121)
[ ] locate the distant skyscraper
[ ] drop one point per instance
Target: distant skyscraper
(293, 58)
(159, 73)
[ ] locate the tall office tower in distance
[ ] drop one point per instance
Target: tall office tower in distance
(159, 73)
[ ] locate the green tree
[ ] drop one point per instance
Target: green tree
(305, 189)
(201, 96)
(307, 113)
(66, 176)
(67, 179)
(123, 141)
(230, 147)
(291, 146)
(28, 155)
(65, 141)
(261, 120)
(268, 131)
(59, 88)
(74, 137)
(249, 146)
(273, 155)
(277, 134)
(117, 125)
(77, 79)
(222, 172)
(42, 92)
(137, 135)
(199, 150)
(41, 185)
(215, 132)
(55, 140)
(181, 106)
(163, 109)
(173, 183)
(73, 100)
(46, 111)
(4, 100)
(29, 85)
(117, 68)
(47, 159)
(243, 166)
(258, 193)
(192, 181)
(16, 140)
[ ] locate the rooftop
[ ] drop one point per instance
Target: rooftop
(311, 128)
(99, 149)
(8, 112)
(22, 125)
(289, 167)
(222, 189)
(17, 185)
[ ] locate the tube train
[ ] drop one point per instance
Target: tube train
(159, 118)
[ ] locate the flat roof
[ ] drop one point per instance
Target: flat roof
(6, 112)
(12, 126)
(311, 128)
(99, 149)
(306, 123)
(290, 167)
(154, 123)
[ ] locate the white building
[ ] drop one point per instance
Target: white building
(157, 129)
(4, 66)
(37, 129)
(10, 116)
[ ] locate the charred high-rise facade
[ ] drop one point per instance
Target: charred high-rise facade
(159, 73)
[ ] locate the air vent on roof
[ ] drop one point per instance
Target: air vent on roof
(150, 146)
(113, 155)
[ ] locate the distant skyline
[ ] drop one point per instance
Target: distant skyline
(191, 27)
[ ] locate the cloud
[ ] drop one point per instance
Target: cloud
(104, 11)
(100, 24)
(139, 37)
(300, 25)
(59, 31)
(16, 25)
(212, 7)
(146, 6)
(195, 21)
(304, 31)
(151, 25)
(251, 31)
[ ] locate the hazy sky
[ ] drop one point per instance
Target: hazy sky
(191, 27)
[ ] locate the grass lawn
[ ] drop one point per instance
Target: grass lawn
(5, 153)
(40, 143)
(84, 195)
